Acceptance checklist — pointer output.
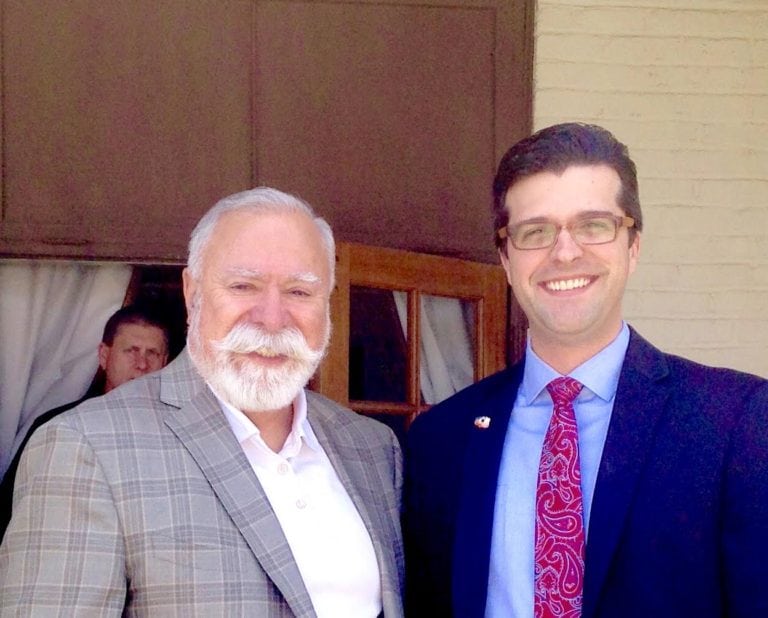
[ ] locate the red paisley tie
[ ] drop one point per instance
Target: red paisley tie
(559, 538)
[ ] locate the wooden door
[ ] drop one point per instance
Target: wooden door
(122, 122)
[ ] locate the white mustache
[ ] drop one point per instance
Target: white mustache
(247, 338)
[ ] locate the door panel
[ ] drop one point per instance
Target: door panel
(379, 360)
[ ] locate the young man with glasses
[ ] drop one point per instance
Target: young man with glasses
(600, 477)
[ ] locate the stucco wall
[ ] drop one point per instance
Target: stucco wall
(685, 84)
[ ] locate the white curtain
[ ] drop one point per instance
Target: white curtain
(446, 345)
(52, 316)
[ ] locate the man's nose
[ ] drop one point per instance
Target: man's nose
(269, 311)
(142, 361)
(566, 249)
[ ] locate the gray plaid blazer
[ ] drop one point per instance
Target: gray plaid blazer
(142, 503)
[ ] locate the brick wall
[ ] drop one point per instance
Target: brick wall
(685, 84)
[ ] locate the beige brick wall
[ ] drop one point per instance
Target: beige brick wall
(685, 84)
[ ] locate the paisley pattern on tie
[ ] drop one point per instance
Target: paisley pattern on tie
(559, 537)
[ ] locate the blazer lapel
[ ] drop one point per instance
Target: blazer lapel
(474, 525)
(203, 430)
(640, 400)
(351, 458)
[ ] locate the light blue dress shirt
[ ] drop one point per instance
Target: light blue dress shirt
(510, 581)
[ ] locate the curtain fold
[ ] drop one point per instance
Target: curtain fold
(446, 348)
(52, 316)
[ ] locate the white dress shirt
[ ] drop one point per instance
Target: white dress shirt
(327, 537)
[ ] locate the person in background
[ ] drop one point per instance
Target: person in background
(134, 343)
(219, 486)
(599, 477)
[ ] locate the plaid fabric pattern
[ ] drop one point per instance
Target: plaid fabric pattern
(141, 503)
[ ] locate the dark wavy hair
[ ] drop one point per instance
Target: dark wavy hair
(133, 314)
(556, 148)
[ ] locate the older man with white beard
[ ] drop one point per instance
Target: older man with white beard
(218, 486)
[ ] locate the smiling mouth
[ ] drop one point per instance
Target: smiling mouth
(266, 353)
(563, 285)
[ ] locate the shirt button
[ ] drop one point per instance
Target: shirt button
(300, 504)
(283, 468)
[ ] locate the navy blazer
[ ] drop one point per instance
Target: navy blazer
(679, 521)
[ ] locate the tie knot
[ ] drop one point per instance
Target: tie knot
(564, 390)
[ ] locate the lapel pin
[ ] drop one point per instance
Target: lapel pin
(483, 422)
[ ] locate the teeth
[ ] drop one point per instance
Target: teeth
(567, 284)
(268, 352)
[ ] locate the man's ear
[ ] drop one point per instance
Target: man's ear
(103, 355)
(634, 252)
(502, 256)
(189, 286)
(505, 263)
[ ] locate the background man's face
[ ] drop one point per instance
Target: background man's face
(266, 274)
(570, 293)
(136, 349)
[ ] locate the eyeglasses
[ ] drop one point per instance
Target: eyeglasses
(597, 229)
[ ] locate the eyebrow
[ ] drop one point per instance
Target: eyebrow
(307, 277)
(136, 346)
(580, 215)
(251, 273)
(239, 271)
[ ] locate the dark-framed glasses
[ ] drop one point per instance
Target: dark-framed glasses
(596, 229)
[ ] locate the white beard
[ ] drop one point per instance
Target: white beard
(243, 383)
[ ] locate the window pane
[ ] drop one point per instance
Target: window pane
(378, 357)
(448, 342)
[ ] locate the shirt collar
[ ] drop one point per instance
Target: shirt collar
(599, 374)
(301, 431)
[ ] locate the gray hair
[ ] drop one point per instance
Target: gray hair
(258, 200)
